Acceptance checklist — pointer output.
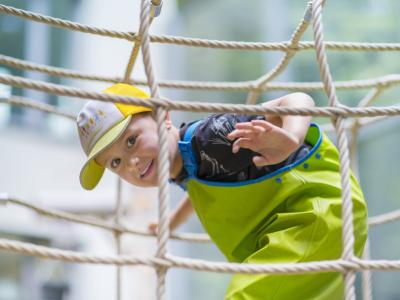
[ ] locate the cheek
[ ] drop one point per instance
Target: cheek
(150, 145)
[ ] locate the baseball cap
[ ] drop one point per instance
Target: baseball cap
(102, 123)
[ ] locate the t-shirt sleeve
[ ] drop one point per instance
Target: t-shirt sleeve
(214, 150)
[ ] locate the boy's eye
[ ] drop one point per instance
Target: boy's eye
(131, 141)
(115, 163)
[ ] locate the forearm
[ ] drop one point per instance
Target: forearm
(296, 125)
(182, 212)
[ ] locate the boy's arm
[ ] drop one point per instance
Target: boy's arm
(179, 216)
(296, 125)
(276, 137)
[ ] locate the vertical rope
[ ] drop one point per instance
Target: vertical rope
(353, 148)
(163, 159)
(144, 33)
(294, 42)
(366, 276)
(347, 205)
(117, 235)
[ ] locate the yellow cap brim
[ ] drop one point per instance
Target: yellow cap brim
(92, 172)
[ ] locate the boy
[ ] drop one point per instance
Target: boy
(266, 188)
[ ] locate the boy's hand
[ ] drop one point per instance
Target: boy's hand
(273, 143)
(153, 227)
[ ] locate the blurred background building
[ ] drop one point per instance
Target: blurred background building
(40, 156)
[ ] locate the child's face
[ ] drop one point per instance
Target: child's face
(133, 156)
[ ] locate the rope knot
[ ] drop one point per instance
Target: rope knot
(382, 84)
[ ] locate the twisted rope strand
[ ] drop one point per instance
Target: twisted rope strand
(92, 221)
(384, 218)
(195, 42)
(25, 102)
(189, 237)
(118, 234)
(260, 83)
(163, 163)
(200, 265)
(366, 276)
(204, 106)
(347, 205)
(383, 82)
(348, 265)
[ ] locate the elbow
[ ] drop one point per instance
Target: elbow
(302, 99)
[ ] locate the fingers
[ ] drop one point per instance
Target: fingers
(153, 227)
(241, 143)
(267, 126)
(238, 133)
(245, 125)
(260, 161)
(247, 134)
(245, 130)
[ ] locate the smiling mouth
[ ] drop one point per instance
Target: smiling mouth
(146, 171)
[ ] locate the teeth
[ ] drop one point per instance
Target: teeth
(145, 169)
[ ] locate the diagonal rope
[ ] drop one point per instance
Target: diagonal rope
(137, 45)
(98, 223)
(25, 102)
(348, 264)
(283, 63)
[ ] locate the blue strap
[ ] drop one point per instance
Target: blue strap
(185, 147)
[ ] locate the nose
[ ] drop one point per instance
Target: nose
(132, 163)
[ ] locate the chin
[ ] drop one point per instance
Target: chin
(151, 183)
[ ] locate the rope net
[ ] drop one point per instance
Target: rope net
(348, 264)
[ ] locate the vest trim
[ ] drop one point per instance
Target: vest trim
(190, 163)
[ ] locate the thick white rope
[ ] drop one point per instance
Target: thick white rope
(199, 106)
(163, 164)
(123, 229)
(118, 234)
(98, 223)
(349, 264)
(347, 205)
(383, 82)
(366, 275)
(260, 83)
(25, 102)
(194, 42)
(200, 265)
